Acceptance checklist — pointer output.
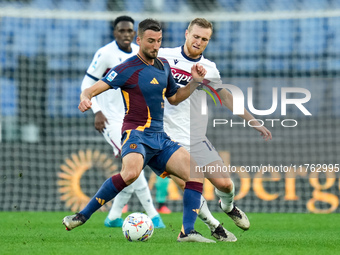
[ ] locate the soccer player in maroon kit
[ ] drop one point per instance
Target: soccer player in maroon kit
(145, 81)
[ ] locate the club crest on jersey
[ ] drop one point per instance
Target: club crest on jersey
(111, 75)
(133, 146)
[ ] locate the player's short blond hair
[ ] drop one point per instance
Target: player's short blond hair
(201, 22)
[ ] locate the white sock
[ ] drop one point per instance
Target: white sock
(143, 193)
(119, 202)
(227, 199)
(206, 216)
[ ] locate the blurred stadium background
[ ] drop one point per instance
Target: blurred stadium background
(46, 47)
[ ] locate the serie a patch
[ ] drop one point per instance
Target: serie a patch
(111, 75)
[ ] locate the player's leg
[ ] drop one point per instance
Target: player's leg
(112, 134)
(204, 214)
(144, 195)
(114, 218)
(204, 152)
(140, 186)
(132, 165)
(113, 137)
(179, 164)
(216, 228)
(206, 155)
(225, 190)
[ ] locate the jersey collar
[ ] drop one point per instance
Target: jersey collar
(190, 59)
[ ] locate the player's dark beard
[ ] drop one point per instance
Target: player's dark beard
(150, 55)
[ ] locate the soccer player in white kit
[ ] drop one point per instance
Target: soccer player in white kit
(109, 111)
(178, 120)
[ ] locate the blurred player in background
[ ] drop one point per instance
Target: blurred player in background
(179, 119)
(145, 81)
(162, 194)
(109, 111)
(161, 187)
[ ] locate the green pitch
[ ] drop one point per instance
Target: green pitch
(43, 233)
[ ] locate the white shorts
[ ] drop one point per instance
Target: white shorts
(203, 152)
(112, 134)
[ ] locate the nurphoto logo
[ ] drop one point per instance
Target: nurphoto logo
(239, 104)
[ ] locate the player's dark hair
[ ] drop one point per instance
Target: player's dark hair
(121, 18)
(201, 22)
(149, 24)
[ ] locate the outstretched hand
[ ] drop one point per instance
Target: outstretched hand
(265, 133)
(198, 72)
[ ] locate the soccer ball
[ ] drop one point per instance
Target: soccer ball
(137, 227)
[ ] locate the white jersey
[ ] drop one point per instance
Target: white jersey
(178, 120)
(110, 102)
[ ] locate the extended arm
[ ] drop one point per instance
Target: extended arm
(87, 94)
(99, 120)
(227, 100)
(87, 83)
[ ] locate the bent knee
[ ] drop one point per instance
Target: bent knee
(229, 185)
(226, 186)
(129, 176)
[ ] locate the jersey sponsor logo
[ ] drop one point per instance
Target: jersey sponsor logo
(133, 146)
(175, 61)
(111, 75)
(154, 81)
(181, 77)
